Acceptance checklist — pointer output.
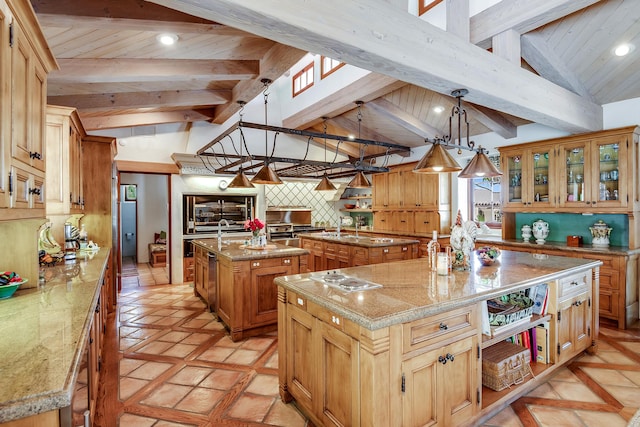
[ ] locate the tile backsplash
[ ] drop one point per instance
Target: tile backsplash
(324, 204)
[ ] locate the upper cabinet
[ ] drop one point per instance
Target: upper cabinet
(592, 172)
(64, 134)
(407, 196)
(25, 60)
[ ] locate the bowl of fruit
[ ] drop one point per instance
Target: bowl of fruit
(10, 281)
(488, 254)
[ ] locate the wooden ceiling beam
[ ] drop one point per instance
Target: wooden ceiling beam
(139, 119)
(275, 63)
(110, 101)
(350, 127)
(402, 118)
(124, 24)
(519, 15)
(361, 35)
(138, 69)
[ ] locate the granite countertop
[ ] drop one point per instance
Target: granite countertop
(410, 291)
(235, 250)
(350, 239)
(559, 246)
(43, 332)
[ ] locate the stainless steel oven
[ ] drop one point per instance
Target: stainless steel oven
(203, 213)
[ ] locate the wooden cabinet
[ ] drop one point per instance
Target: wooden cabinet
(574, 326)
(188, 269)
(246, 297)
(336, 256)
(201, 277)
(64, 134)
(315, 260)
(441, 386)
(401, 193)
(594, 172)
(530, 177)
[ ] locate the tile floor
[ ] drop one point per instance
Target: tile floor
(176, 366)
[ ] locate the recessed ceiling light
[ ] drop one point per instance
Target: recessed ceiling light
(438, 109)
(623, 49)
(351, 137)
(167, 39)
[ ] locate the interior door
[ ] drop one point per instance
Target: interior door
(128, 228)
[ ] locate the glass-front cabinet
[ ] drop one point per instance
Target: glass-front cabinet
(593, 173)
(529, 177)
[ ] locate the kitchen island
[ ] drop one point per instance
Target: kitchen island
(410, 352)
(50, 344)
(236, 282)
(331, 250)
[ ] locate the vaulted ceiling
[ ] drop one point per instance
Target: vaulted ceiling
(522, 61)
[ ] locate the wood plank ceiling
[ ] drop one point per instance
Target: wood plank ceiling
(523, 61)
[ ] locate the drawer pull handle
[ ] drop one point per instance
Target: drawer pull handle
(256, 264)
(404, 249)
(577, 303)
(386, 251)
(449, 356)
(574, 283)
(335, 320)
(287, 261)
(442, 359)
(443, 327)
(300, 301)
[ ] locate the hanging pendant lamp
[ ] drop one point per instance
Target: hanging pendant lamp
(437, 160)
(241, 180)
(266, 175)
(360, 180)
(325, 184)
(480, 167)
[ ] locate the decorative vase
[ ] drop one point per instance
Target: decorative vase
(460, 261)
(540, 231)
(600, 232)
(255, 238)
(526, 232)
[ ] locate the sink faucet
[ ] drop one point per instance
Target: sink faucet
(226, 223)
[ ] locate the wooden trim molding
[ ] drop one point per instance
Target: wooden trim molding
(425, 5)
(298, 76)
(146, 167)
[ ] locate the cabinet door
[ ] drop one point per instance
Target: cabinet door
(577, 182)
(411, 189)
(37, 114)
(529, 176)
(609, 165)
(574, 326)
(426, 222)
(301, 357)
(395, 189)
(382, 221)
(402, 222)
(188, 269)
(20, 102)
(379, 192)
(441, 385)
(263, 299)
(337, 402)
(5, 108)
(429, 190)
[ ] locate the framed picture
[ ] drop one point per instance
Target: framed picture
(130, 192)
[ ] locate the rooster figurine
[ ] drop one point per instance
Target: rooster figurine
(463, 239)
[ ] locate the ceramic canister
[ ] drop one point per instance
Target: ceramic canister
(540, 231)
(600, 232)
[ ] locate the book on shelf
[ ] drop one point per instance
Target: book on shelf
(497, 330)
(539, 294)
(542, 343)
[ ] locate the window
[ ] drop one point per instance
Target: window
(328, 66)
(484, 199)
(425, 5)
(303, 80)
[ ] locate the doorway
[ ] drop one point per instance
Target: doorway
(144, 223)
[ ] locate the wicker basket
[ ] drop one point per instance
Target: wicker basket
(504, 364)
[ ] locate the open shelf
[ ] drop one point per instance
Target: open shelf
(536, 319)
(356, 210)
(355, 197)
(489, 396)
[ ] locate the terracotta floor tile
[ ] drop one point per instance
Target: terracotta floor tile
(226, 342)
(201, 400)
(272, 362)
(163, 423)
(190, 375)
(156, 347)
(216, 354)
(547, 416)
(259, 344)
(174, 336)
(608, 376)
(628, 396)
(130, 420)
(564, 374)
(128, 365)
(150, 370)
(243, 357)
(251, 408)
(126, 343)
(180, 350)
(600, 419)
(221, 379)
(266, 385)
(574, 391)
(284, 415)
(167, 321)
(633, 376)
(128, 386)
(196, 338)
(143, 333)
(544, 391)
(165, 312)
(505, 418)
(166, 395)
(616, 358)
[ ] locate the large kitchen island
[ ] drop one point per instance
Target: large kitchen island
(410, 351)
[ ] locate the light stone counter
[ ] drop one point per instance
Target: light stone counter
(364, 241)
(410, 291)
(42, 334)
(234, 250)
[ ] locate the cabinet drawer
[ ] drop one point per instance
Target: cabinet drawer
(450, 325)
(328, 317)
(576, 283)
(297, 300)
(273, 262)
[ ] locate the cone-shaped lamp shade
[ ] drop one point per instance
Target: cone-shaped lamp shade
(480, 166)
(325, 184)
(437, 160)
(240, 181)
(359, 181)
(266, 176)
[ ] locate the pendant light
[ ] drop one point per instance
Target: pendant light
(360, 180)
(241, 180)
(439, 160)
(266, 175)
(325, 184)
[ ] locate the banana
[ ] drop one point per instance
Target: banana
(47, 242)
